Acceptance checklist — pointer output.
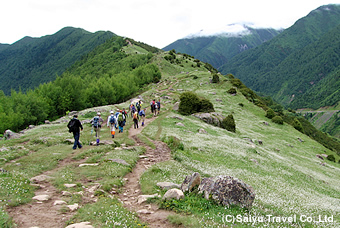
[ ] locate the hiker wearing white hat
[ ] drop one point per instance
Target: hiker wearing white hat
(111, 122)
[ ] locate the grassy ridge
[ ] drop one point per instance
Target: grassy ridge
(285, 173)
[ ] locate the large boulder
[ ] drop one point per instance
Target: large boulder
(212, 118)
(190, 182)
(227, 190)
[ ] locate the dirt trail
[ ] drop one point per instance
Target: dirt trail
(47, 215)
(152, 215)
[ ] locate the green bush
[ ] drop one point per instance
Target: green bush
(297, 125)
(206, 106)
(270, 113)
(237, 83)
(277, 120)
(232, 91)
(331, 158)
(228, 123)
(215, 79)
(190, 103)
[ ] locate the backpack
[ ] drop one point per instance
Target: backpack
(72, 125)
(112, 119)
(95, 122)
(135, 116)
(138, 105)
(120, 117)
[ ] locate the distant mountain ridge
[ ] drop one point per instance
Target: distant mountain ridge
(32, 61)
(294, 63)
(219, 49)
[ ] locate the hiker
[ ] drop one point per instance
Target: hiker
(154, 107)
(74, 126)
(152, 104)
(158, 103)
(139, 106)
(142, 115)
(111, 123)
(96, 124)
(135, 119)
(116, 114)
(133, 110)
(120, 121)
(125, 116)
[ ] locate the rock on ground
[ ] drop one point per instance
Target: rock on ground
(190, 182)
(173, 194)
(227, 190)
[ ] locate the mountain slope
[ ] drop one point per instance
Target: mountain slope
(219, 49)
(33, 61)
(288, 178)
(296, 61)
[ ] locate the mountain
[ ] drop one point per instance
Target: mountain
(219, 49)
(287, 170)
(30, 62)
(299, 64)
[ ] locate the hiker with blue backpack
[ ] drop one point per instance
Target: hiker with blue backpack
(96, 124)
(111, 122)
(142, 115)
(73, 127)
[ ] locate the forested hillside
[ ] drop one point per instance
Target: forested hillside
(32, 61)
(298, 65)
(219, 49)
(107, 75)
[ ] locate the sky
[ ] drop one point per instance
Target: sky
(154, 22)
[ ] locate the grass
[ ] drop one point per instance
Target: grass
(107, 213)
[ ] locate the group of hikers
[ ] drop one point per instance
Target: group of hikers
(114, 121)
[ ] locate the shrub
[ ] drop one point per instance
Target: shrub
(215, 79)
(228, 123)
(270, 113)
(331, 158)
(232, 91)
(297, 125)
(191, 103)
(206, 106)
(237, 83)
(277, 120)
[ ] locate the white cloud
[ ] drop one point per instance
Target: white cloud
(154, 22)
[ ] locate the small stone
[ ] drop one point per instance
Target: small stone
(59, 202)
(80, 225)
(88, 164)
(41, 197)
(70, 185)
(144, 211)
(168, 185)
(73, 207)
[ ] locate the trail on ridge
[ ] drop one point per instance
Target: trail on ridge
(150, 214)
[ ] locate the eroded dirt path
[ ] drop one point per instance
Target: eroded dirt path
(46, 215)
(150, 214)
